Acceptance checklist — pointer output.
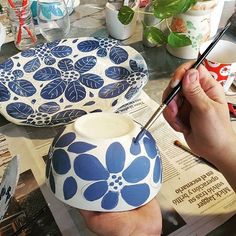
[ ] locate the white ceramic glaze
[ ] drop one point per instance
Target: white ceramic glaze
(94, 164)
(115, 28)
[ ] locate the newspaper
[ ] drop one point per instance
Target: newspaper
(195, 198)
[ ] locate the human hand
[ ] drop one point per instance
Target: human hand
(145, 220)
(201, 113)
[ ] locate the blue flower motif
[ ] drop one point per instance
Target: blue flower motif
(46, 114)
(45, 52)
(70, 79)
(105, 47)
(133, 80)
(13, 80)
(114, 181)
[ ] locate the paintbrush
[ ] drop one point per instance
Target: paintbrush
(187, 149)
(172, 94)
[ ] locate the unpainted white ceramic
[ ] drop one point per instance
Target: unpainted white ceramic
(94, 164)
(115, 28)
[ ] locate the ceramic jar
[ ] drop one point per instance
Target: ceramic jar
(114, 27)
(195, 23)
(96, 164)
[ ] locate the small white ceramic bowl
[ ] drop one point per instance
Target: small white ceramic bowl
(94, 164)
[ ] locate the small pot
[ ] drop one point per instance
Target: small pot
(96, 164)
(114, 27)
(195, 23)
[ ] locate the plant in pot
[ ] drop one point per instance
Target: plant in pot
(177, 32)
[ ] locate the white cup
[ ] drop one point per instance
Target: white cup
(115, 28)
(221, 62)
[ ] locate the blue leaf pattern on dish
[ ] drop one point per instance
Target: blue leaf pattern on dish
(4, 93)
(66, 64)
(75, 92)
(53, 89)
(32, 65)
(117, 73)
(28, 53)
(102, 52)
(22, 88)
(49, 60)
(61, 51)
(47, 73)
(134, 66)
(113, 90)
(49, 107)
(157, 170)
(131, 93)
(67, 116)
(85, 64)
(7, 65)
(88, 45)
(91, 81)
(110, 200)
(118, 55)
(19, 110)
(18, 73)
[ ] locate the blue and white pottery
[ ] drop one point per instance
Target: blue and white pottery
(55, 83)
(50, 10)
(96, 164)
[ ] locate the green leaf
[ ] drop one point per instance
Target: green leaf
(177, 40)
(167, 8)
(155, 35)
(125, 15)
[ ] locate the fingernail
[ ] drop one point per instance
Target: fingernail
(174, 83)
(192, 76)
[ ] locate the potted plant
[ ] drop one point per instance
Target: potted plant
(162, 10)
(177, 31)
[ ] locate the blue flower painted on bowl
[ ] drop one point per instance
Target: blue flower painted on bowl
(114, 181)
(110, 182)
(133, 80)
(70, 79)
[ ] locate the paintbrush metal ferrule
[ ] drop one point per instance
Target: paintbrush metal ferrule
(156, 114)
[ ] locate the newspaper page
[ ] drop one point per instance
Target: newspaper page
(195, 198)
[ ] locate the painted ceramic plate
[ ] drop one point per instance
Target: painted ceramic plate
(54, 83)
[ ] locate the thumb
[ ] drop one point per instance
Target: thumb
(193, 91)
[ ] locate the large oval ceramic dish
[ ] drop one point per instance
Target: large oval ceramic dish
(54, 83)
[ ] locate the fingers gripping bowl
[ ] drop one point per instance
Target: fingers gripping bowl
(94, 164)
